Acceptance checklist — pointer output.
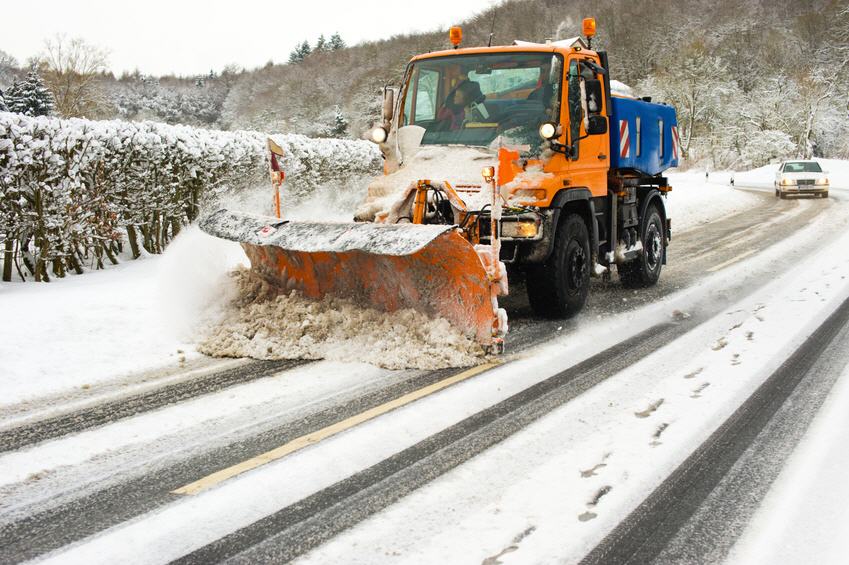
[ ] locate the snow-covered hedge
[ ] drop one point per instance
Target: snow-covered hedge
(74, 192)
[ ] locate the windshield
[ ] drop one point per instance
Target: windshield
(802, 167)
(472, 99)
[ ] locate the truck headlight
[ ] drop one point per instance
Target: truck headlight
(548, 130)
(378, 135)
(522, 228)
(822, 182)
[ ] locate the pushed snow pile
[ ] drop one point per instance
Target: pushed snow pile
(455, 164)
(264, 325)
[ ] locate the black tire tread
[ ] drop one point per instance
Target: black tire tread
(546, 283)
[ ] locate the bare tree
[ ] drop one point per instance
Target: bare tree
(71, 71)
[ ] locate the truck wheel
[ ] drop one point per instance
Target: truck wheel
(645, 269)
(559, 287)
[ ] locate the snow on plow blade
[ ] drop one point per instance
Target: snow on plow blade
(429, 268)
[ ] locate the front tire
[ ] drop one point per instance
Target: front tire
(559, 287)
(645, 270)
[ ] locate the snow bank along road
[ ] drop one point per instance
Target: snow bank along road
(536, 458)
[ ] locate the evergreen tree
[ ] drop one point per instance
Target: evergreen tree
(321, 44)
(300, 52)
(30, 97)
(336, 42)
(305, 49)
(3, 107)
(340, 124)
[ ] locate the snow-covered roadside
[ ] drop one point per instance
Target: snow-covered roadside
(73, 333)
(805, 516)
(764, 177)
(694, 201)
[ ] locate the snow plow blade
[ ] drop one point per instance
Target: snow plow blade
(429, 268)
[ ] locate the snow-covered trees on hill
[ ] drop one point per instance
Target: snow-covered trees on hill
(734, 69)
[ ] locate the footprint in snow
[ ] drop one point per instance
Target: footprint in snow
(648, 411)
(591, 472)
(657, 433)
(750, 336)
(495, 559)
(697, 392)
(601, 493)
(735, 326)
(692, 374)
(735, 359)
(720, 343)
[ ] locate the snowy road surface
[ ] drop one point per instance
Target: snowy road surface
(536, 459)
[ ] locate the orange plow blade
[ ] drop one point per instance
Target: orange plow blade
(429, 268)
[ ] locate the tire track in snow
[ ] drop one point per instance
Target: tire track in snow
(51, 529)
(113, 410)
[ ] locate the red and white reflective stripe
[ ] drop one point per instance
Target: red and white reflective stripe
(675, 142)
(624, 139)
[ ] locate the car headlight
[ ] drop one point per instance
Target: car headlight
(522, 228)
(787, 182)
(822, 182)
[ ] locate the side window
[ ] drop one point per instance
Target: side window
(660, 136)
(575, 113)
(427, 87)
(639, 137)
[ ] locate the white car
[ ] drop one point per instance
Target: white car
(801, 177)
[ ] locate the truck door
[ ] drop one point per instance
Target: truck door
(585, 98)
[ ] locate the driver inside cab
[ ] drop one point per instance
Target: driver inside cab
(458, 105)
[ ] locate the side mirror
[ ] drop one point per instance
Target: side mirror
(388, 105)
(597, 125)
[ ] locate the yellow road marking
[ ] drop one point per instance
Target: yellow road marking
(732, 260)
(324, 433)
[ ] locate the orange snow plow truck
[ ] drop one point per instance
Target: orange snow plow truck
(512, 157)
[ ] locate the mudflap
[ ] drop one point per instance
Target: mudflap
(432, 269)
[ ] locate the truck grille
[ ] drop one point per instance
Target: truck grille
(805, 182)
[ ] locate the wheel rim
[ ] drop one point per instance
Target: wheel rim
(654, 247)
(577, 268)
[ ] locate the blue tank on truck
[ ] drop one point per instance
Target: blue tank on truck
(643, 136)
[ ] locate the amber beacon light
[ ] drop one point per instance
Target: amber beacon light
(455, 35)
(589, 30)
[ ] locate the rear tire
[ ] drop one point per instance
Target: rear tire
(645, 270)
(559, 287)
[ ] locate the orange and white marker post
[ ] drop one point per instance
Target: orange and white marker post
(277, 177)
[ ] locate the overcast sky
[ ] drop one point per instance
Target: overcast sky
(190, 37)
